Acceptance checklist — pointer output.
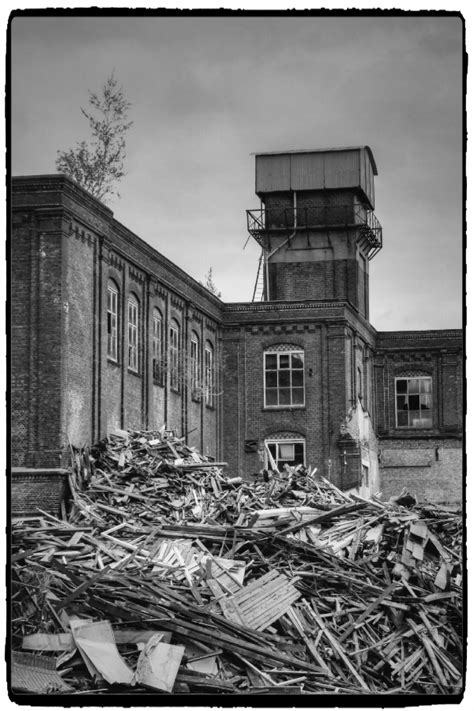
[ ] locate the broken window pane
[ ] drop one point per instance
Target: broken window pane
(414, 402)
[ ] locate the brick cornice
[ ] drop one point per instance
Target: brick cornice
(58, 183)
(272, 306)
(416, 335)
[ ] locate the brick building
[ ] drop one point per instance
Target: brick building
(106, 333)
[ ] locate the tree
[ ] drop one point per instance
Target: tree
(97, 166)
(209, 284)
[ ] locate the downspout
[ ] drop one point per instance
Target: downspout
(267, 285)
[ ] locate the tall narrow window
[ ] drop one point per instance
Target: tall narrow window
(284, 378)
(133, 333)
(209, 374)
(174, 356)
(112, 321)
(195, 367)
(157, 346)
(359, 383)
(414, 404)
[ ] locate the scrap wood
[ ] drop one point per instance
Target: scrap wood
(260, 603)
(42, 642)
(342, 568)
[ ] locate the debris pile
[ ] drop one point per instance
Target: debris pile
(168, 575)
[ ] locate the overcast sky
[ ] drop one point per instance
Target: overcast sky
(208, 92)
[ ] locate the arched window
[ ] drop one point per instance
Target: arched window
(195, 366)
(284, 376)
(174, 346)
(157, 346)
(133, 308)
(112, 320)
(284, 448)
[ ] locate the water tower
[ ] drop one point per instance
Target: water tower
(315, 225)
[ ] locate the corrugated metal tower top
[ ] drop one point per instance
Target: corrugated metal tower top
(318, 169)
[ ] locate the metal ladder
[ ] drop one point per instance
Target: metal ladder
(258, 290)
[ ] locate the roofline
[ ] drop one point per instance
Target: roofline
(322, 150)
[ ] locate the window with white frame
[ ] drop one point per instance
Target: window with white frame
(133, 333)
(284, 451)
(195, 366)
(284, 377)
(414, 402)
(112, 320)
(209, 374)
(157, 346)
(174, 355)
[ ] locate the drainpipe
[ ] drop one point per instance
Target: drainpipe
(267, 280)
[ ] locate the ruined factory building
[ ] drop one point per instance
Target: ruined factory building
(107, 333)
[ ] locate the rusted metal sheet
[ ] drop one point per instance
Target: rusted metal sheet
(341, 169)
(369, 180)
(363, 169)
(307, 171)
(350, 167)
(272, 173)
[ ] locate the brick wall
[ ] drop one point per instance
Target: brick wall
(437, 354)
(316, 263)
(430, 469)
(65, 247)
(328, 349)
(79, 335)
(22, 336)
(35, 490)
(37, 312)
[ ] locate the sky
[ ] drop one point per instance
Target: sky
(209, 92)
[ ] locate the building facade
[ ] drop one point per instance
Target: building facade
(107, 333)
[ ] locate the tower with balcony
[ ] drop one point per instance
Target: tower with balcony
(315, 225)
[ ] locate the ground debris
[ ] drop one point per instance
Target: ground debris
(193, 580)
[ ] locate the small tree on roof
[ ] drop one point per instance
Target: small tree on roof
(209, 284)
(97, 166)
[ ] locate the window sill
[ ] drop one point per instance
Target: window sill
(283, 408)
(111, 361)
(414, 429)
(159, 383)
(210, 407)
(134, 372)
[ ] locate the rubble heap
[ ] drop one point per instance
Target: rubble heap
(168, 575)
